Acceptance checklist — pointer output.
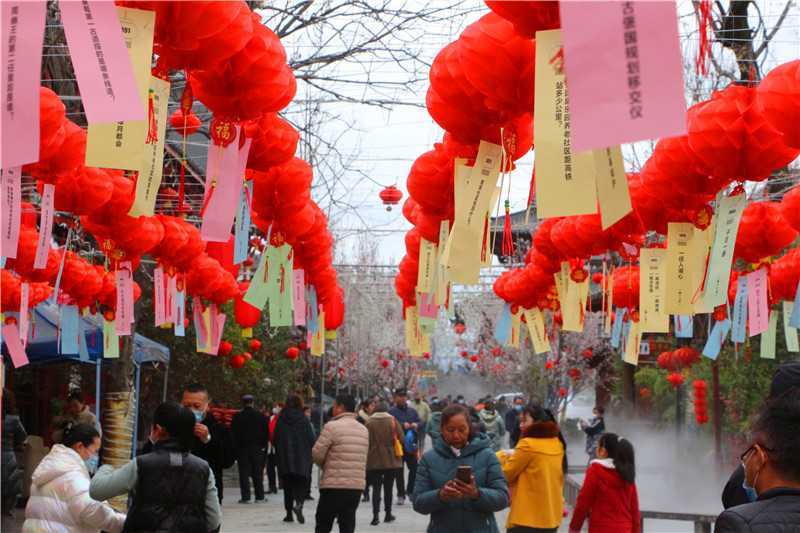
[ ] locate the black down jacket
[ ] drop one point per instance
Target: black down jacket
(776, 511)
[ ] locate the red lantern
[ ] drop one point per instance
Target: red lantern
(459, 328)
(426, 355)
(562, 392)
(700, 401)
(255, 345)
(189, 126)
(645, 393)
(292, 352)
(385, 363)
(247, 356)
(474, 358)
(720, 313)
(549, 364)
(587, 353)
(597, 278)
(464, 354)
(302, 345)
(497, 351)
(245, 314)
(574, 374)
(237, 361)
(390, 196)
(225, 349)
(675, 379)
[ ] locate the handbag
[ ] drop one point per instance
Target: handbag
(398, 446)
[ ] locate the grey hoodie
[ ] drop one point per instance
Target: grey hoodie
(495, 427)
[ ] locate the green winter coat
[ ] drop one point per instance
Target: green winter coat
(495, 427)
(438, 466)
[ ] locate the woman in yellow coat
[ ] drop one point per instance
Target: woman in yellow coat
(535, 473)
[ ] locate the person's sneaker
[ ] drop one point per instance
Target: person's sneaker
(289, 518)
(375, 521)
(298, 510)
(244, 501)
(389, 518)
(261, 500)
(365, 498)
(401, 500)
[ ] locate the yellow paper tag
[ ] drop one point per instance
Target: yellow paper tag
(769, 336)
(441, 268)
(789, 332)
(612, 185)
(533, 317)
(318, 338)
(513, 339)
(427, 266)
(122, 144)
(412, 330)
(679, 288)
(152, 166)
(571, 311)
(632, 345)
(652, 290)
(487, 252)
(110, 340)
(727, 215)
(565, 181)
(700, 247)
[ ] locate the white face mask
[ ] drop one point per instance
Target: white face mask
(276, 410)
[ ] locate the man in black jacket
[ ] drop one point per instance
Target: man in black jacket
(512, 421)
(786, 377)
(772, 471)
(250, 431)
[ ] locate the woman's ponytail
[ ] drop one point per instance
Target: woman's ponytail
(620, 451)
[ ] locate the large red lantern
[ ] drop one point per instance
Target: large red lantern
(245, 314)
(390, 196)
(292, 352)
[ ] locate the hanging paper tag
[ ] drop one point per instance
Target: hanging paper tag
(573, 311)
(23, 33)
(616, 329)
(652, 291)
(535, 322)
(83, 350)
(201, 332)
(789, 332)
(311, 309)
(24, 298)
(412, 330)
(739, 333)
(513, 340)
(768, 338)
(441, 268)
(607, 280)
(101, 61)
(54, 297)
(678, 287)
(15, 350)
(632, 343)
(612, 186)
(124, 315)
(757, 305)
(502, 328)
(728, 214)
(565, 180)
(151, 166)
(122, 144)
(794, 321)
(700, 249)
(68, 329)
(258, 291)
(317, 344)
(11, 203)
(224, 179)
(426, 274)
(159, 296)
(716, 338)
(169, 299)
(110, 340)
(179, 313)
(426, 304)
(280, 285)
(218, 329)
(242, 227)
(299, 294)
(684, 326)
(624, 67)
(45, 226)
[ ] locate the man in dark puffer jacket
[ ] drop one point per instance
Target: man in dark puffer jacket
(772, 469)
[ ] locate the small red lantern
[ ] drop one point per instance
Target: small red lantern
(574, 374)
(720, 313)
(464, 354)
(474, 358)
(292, 352)
(548, 364)
(562, 392)
(225, 349)
(10, 320)
(497, 351)
(587, 353)
(302, 345)
(390, 196)
(700, 401)
(645, 393)
(237, 361)
(459, 328)
(426, 355)
(255, 345)
(189, 126)
(247, 356)
(675, 379)
(597, 278)
(385, 363)
(578, 275)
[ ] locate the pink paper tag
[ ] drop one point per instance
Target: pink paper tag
(22, 28)
(45, 226)
(169, 306)
(10, 205)
(24, 298)
(159, 299)
(217, 328)
(299, 295)
(757, 305)
(102, 64)
(124, 315)
(427, 305)
(226, 167)
(624, 67)
(199, 323)
(15, 350)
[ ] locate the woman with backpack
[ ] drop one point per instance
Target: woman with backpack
(608, 495)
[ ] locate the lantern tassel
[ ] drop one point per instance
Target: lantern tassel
(208, 198)
(704, 48)
(508, 237)
(152, 125)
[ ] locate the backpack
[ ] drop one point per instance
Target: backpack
(410, 443)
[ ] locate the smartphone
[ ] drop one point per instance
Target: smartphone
(464, 473)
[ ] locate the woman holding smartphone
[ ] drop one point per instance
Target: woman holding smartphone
(460, 482)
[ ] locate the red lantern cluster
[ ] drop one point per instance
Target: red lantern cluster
(675, 379)
(678, 359)
(700, 401)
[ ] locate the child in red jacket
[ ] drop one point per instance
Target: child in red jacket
(608, 495)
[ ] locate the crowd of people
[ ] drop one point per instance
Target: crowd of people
(363, 451)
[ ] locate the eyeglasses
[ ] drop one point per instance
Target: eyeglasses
(752, 447)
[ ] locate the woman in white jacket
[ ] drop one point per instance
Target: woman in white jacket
(59, 501)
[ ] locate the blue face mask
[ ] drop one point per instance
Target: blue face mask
(92, 463)
(198, 415)
(751, 493)
(518, 408)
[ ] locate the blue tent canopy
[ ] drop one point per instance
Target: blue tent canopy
(43, 344)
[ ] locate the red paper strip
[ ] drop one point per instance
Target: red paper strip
(45, 226)
(22, 30)
(10, 205)
(159, 299)
(102, 64)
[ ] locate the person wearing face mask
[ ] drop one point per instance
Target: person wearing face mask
(59, 498)
(250, 430)
(272, 456)
(512, 421)
(593, 429)
(771, 472)
(441, 490)
(170, 489)
(786, 377)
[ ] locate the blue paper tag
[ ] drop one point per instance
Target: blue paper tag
(739, 326)
(242, 227)
(684, 326)
(83, 350)
(68, 329)
(502, 329)
(626, 334)
(2, 264)
(180, 313)
(616, 328)
(313, 311)
(794, 320)
(718, 334)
